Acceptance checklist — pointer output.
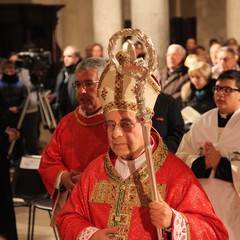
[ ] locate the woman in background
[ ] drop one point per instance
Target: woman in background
(198, 93)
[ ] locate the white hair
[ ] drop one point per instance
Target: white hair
(178, 47)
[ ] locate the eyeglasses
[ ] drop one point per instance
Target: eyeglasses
(85, 84)
(225, 59)
(225, 90)
(124, 125)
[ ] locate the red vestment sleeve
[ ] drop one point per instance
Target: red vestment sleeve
(76, 141)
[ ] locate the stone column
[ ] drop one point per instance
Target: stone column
(233, 19)
(107, 19)
(75, 25)
(152, 17)
(178, 10)
(211, 21)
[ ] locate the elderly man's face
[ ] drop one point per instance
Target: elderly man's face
(174, 57)
(126, 144)
(225, 61)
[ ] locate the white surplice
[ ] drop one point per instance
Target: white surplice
(225, 196)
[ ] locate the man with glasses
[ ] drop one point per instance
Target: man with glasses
(79, 136)
(227, 59)
(212, 149)
(112, 200)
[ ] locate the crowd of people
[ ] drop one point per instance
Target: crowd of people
(94, 166)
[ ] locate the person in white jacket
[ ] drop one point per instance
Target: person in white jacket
(212, 149)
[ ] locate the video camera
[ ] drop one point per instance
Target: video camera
(34, 59)
(37, 61)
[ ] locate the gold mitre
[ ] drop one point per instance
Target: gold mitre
(117, 89)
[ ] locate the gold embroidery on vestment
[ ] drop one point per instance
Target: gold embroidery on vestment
(88, 124)
(124, 195)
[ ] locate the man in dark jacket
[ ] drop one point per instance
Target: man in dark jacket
(168, 121)
(64, 93)
(174, 75)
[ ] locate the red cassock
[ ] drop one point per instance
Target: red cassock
(76, 141)
(103, 199)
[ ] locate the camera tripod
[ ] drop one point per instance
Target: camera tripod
(47, 116)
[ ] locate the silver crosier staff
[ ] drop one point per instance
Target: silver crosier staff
(142, 115)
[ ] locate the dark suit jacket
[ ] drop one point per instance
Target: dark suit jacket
(172, 82)
(168, 120)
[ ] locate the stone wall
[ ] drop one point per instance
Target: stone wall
(214, 19)
(211, 21)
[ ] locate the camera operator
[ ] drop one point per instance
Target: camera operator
(30, 125)
(64, 93)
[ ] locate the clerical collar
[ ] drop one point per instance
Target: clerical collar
(127, 167)
(83, 113)
(223, 119)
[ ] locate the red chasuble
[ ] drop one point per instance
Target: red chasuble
(76, 141)
(103, 199)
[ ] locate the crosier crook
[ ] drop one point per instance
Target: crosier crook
(142, 115)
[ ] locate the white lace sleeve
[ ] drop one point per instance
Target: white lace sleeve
(180, 226)
(87, 233)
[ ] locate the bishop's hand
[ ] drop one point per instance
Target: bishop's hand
(160, 214)
(104, 234)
